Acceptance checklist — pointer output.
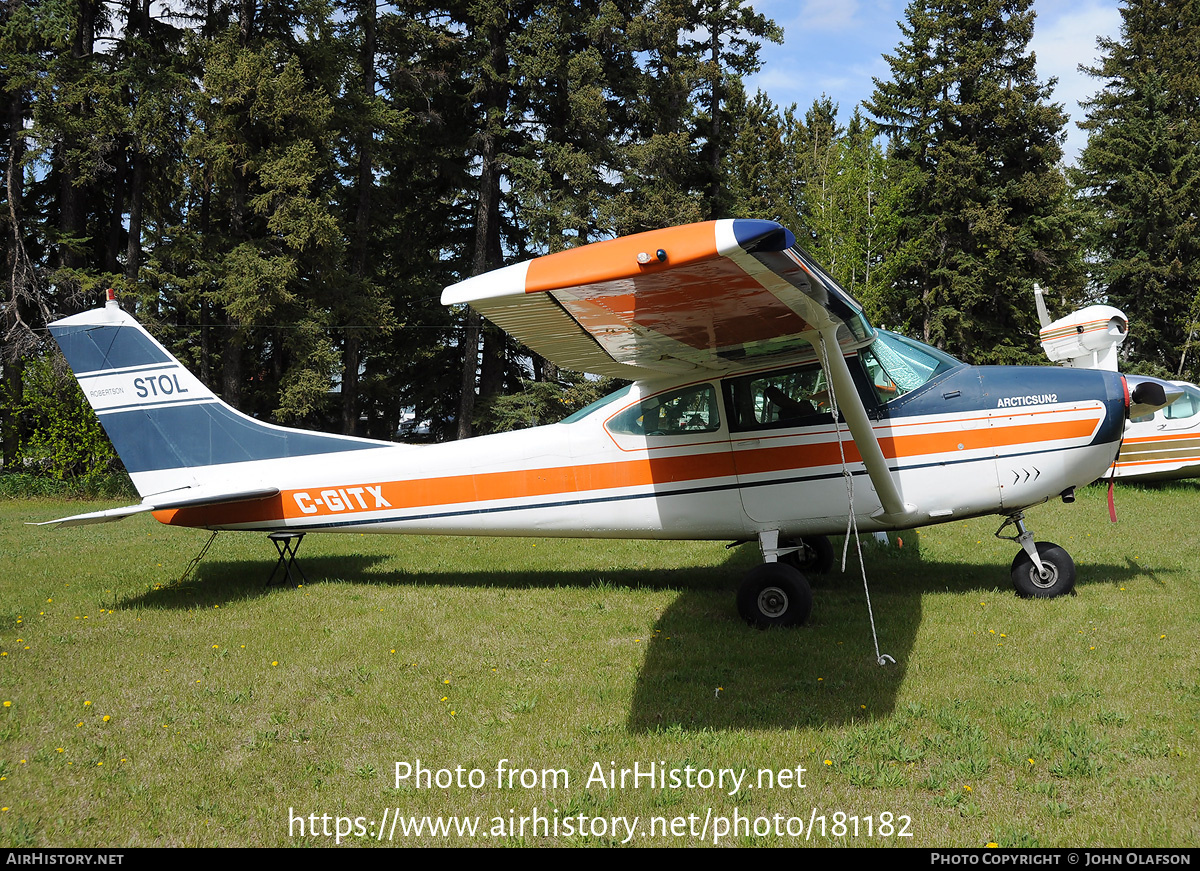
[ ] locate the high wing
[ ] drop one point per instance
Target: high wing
(716, 296)
(719, 295)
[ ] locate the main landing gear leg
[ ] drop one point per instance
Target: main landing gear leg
(1042, 570)
(774, 593)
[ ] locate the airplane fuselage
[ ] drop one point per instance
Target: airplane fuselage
(717, 462)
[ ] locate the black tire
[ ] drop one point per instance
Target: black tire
(1058, 563)
(815, 556)
(774, 594)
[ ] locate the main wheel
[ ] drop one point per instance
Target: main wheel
(815, 556)
(774, 594)
(1060, 572)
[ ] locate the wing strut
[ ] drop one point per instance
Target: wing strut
(895, 509)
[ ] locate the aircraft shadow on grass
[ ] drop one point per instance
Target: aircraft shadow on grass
(704, 668)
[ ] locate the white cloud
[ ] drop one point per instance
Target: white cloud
(828, 15)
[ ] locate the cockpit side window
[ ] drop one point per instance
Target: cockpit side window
(798, 396)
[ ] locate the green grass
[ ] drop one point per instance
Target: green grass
(1024, 723)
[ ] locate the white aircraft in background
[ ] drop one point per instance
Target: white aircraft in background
(1159, 445)
(763, 406)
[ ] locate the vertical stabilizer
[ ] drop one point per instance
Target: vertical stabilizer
(169, 429)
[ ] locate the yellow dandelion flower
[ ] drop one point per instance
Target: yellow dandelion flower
(829, 762)
(967, 787)
(7, 704)
(87, 704)
(992, 844)
(275, 662)
(107, 718)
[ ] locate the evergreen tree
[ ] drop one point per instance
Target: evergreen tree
(1140, 179)
(982, 205)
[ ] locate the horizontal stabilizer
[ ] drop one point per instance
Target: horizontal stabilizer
(187, 498)
(107, 516)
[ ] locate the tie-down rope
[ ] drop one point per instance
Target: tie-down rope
(851, 520)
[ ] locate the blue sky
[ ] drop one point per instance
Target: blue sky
(835, 47)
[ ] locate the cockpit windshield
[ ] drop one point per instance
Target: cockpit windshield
(897, 365)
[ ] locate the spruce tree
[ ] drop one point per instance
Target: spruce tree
(982, 204)
(1140, 179)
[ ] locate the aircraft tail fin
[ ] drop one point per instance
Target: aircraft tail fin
(173, 434)
(1043, 312)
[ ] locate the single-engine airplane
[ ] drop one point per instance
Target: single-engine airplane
(763, 406)
(1160, 445)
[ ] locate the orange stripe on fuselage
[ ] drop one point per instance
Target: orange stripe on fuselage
(897, 447)
(482, 487)
(567, 480)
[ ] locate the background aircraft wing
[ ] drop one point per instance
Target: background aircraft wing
(720, 295)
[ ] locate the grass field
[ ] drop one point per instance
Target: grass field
(139, 711)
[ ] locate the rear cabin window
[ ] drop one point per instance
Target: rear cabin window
(688, 410)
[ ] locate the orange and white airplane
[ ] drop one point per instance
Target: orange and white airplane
(763, 406)
(1159, 445)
